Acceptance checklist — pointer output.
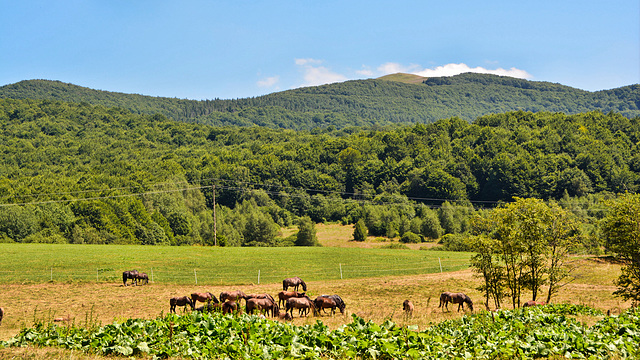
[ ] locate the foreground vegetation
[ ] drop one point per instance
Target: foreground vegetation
(524, 333)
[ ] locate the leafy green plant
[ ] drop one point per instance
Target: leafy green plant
(545, 331)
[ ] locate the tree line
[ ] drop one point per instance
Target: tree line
(78, 173)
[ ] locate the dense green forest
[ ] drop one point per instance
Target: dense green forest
(79, 173)
(375, 102)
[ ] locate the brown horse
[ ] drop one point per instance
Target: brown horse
(263, 305)
(533, 303)
(303, 304)
(407, 307)
(230, 306)
(286, 316)
(143, 277)
(332, 302)
(180, 301)
(294, 282)
(232, 295)
(456, 298)
(203, 297)
(283, 296)
(131, 274)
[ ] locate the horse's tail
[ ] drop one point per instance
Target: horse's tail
(124, 278)
(284, 285)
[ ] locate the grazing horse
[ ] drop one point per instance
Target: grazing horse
(229, 307)
(303, 304)
(264, 305)
(322, 303)
(132, 274)
(143, 277)
(232, 295)
(294, 282)
(283, 296)
(329, 302)
(180, 301)
(456, 298)
(203, 297)
(407, 307)
(533, 303)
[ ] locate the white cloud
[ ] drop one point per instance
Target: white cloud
(269, 82)
(314, 74)
(366, 71)
(455, 69)
(394, 68)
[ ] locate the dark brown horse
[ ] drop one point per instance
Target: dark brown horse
(230, 306)
(180, 301)
(456, 298)
(232, 295)
(203, 297)
(294, 282)
(263, 305)
(332, 302)
(132, 274)
(143, 278)
(407, 307)
(283, 296)
(533, 303)
(303, 304)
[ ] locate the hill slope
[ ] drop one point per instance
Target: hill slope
(376, 102)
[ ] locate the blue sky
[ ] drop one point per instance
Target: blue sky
(234, 49)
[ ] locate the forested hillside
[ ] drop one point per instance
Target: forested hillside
(376, 102)
(147, 179)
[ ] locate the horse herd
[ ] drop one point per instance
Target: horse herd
(231, 301)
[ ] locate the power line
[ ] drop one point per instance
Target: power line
(104, 197)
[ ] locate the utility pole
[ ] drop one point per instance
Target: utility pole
(215, 222)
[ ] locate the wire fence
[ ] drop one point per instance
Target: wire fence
(245, 274)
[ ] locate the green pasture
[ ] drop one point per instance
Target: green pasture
(42, 263)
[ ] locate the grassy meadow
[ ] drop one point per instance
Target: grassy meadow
(53, 263)
(82, 285)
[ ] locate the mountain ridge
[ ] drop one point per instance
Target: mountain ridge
(393, 99)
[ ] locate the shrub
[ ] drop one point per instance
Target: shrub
(453, 242)
(410, 237)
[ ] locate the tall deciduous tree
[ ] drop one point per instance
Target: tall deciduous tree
(621, 229)
(532, 243)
